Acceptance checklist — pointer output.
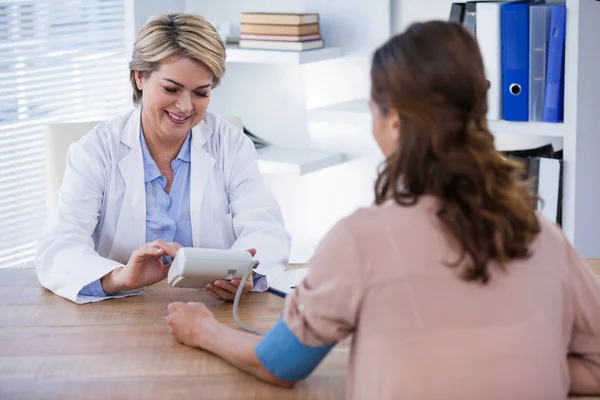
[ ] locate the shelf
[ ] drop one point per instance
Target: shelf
(527, 128)
(350, 112)
(277, 160)
(357, 112)
(237, 55)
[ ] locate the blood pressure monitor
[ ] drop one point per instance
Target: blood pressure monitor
(195, 267)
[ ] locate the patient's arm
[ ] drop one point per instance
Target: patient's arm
(237, 347)
(583, 381)
(279, 358)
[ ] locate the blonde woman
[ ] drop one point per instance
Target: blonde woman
(451, 285)
(165, 175)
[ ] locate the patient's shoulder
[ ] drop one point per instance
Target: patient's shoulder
(392, 213)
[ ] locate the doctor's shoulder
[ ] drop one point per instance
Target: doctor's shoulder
(223, 127)
(227, 139)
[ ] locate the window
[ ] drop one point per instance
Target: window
(60, 61)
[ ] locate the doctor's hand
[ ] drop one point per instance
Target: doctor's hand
(145, 267)
(226, 290)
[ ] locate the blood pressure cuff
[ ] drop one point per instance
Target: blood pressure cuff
(283, 355)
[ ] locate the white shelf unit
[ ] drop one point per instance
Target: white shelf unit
(277, 160)
(528, 128)
(580, 131)
(237, 55)
(356, 112)
(353, 112)
(581, 182)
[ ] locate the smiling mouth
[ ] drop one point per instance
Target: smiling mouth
(176, 118)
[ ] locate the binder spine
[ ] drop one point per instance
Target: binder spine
(515, 61)
(457, 13)
(553, 104)
(539, 30)
(469, 17)
(488, 38)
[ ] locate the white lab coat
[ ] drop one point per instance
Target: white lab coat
(100, 216)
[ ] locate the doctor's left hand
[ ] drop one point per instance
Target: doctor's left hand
(226, 290)
(144, 268)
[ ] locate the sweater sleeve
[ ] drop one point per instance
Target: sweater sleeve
(324, 308)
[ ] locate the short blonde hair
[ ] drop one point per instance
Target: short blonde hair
(166, 37)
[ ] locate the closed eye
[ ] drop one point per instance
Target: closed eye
(173, 90)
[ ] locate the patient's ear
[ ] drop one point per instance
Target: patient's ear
(393, 122)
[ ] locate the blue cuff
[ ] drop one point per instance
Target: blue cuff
(93, 289)
(283, 355)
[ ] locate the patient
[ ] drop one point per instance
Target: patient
(452, 286)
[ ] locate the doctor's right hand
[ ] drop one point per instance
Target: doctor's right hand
(144, 268)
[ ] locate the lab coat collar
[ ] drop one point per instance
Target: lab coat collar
(131, 167)
(130, 135)
(151, 171)
(201, 170)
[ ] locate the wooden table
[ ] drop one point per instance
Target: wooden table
(51, 348)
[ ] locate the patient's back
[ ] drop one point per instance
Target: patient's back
(423, 332)
(440, 336)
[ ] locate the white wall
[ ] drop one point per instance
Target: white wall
(137, 13)
(582, 96)
(273, 100)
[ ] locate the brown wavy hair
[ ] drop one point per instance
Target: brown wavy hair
(432, 75)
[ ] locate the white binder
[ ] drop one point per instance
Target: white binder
(489, 39)
(549, 187)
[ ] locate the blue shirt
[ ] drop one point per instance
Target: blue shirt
(167, 214)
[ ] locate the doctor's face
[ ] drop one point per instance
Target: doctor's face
(174, 98)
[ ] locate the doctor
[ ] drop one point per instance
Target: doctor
(168, 174)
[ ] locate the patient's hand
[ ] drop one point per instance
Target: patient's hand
(191, 323)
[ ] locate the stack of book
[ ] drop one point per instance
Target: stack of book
(280, 31)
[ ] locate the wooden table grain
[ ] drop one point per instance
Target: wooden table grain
(51, 348)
